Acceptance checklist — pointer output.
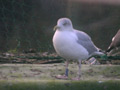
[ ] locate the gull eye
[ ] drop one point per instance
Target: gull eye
(65, 23)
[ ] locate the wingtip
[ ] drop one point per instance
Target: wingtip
(109, 49)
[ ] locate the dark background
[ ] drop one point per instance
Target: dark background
(26, 24)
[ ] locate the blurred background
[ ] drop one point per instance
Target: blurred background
(28, 24)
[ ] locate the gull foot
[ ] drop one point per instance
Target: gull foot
(61, 77)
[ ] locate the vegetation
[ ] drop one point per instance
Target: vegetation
(60, 85)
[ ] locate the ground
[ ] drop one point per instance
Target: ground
(42, 76)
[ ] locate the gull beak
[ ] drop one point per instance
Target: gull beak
(56, 27)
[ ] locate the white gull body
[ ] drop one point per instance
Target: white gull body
(65, 44)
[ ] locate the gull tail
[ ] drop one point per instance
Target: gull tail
(98, 53)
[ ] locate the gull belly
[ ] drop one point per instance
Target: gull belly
(66, 45)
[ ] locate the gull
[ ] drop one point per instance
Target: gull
(72, 44)
(115, 42)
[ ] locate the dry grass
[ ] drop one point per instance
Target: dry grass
(41, 77)
(48, 71)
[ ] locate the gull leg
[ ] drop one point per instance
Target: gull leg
(79, 71)
(66, 72)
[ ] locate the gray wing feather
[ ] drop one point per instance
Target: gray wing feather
(86, 41)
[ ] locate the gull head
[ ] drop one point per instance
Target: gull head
(63, 24)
